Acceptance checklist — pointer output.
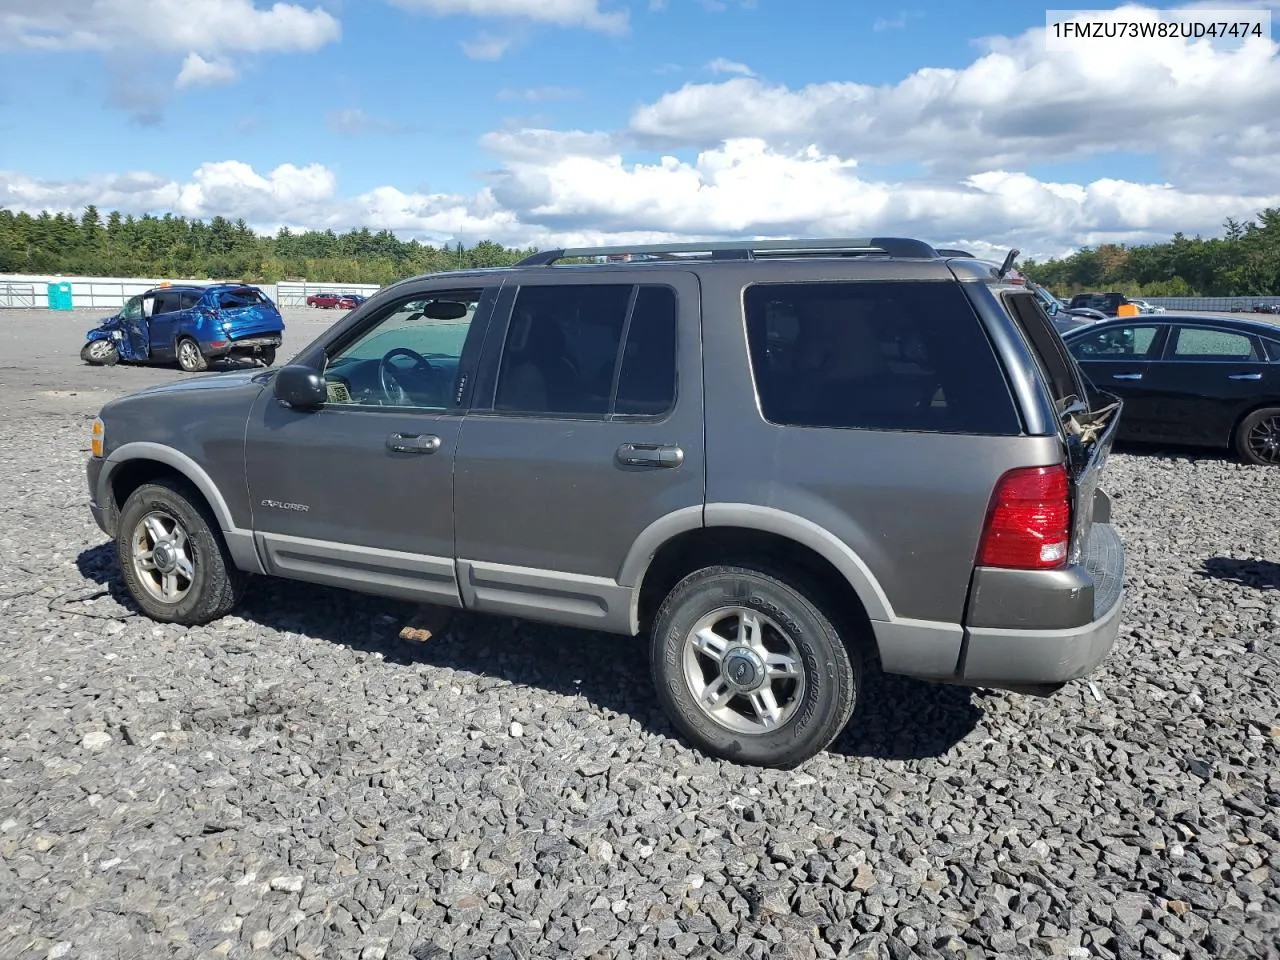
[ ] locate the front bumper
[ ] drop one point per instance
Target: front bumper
(1039, 656)
(104, 513)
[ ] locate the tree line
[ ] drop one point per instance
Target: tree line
(1245, 261)
(122, 245)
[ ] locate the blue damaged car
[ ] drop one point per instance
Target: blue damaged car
(192, 325)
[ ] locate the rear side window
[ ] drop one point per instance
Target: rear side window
(879, 355)
(1056, 365)
(1200, 343)
(189, 300)
(588, 351)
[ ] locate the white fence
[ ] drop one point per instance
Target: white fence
(19, 291)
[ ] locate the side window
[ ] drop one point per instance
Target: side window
(1115, 343)
(189, 300)
(1273, 350)
(884, 355)
(1200, 343)
(647, 374)
(564, 355)
(411, 356)
(167, 303)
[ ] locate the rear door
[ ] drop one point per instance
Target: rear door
(574, 446)
(1117, 358)
(1206, 379)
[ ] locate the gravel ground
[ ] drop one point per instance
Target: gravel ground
(297, 781)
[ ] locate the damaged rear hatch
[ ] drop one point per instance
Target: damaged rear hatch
(245, 312)
(1087, 418)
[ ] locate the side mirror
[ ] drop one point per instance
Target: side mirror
(300, 387)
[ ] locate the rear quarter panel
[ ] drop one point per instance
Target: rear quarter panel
(910, 505)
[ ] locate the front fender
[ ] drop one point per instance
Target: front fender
(239, 540)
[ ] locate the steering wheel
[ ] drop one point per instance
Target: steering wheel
(389, 374)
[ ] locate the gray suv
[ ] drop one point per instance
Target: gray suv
(785, 462)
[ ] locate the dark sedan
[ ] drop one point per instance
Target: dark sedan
(1204, 380)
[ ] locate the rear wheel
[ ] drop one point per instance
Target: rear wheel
(1257, 439)
(100, 353)
(267, 355)
(749, 667)
(190, 358)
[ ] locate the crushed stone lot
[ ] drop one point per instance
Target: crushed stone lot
(296, 780)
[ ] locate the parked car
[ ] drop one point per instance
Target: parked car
(780, 460)
(1145, 307)
(326, 301)
(1064, 317)
(1206, 380)
(190, 324)
(1266, 308)
(1108, 304)
(349, 301)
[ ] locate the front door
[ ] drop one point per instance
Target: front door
(1206, 379)
(135, 328)
(587, 427)
(359, 493)
(1117, 359)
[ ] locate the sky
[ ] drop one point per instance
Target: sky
(570, 122)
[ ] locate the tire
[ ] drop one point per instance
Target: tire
(267, 355)
(213, 584)
(812, 708)
(100, 353)
(190, 358)
(1257, 438)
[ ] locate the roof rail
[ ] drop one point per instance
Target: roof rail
(748, 249)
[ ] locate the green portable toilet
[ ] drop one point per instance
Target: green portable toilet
(59, 296)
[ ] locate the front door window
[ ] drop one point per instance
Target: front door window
(410, 357)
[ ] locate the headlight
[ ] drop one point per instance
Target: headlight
(97, 436)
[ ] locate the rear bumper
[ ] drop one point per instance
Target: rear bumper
(221, 348)
(1036, 656)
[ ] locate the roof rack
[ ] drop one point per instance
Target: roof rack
(747, 250)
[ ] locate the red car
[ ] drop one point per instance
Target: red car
(325, 300)
(350, 301)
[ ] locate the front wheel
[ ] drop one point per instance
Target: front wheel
(267, 355)
(1257, 439)
(750, 669)
(100, 353)
(173, 559)
(190, 358)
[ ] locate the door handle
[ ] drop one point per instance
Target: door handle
(413, 443)
(650, 455)
(1244, 376)
(1126, 376)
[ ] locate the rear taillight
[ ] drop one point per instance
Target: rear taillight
(1029, 523)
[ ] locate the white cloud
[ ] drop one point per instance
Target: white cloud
(538, 94)
(171, 25)
(572, 188)
(722, 65)
(486, 47)
(354, 121)
(1015, 105)
(564, 13)
(198, 72)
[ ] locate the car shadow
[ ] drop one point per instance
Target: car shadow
(898, 718)
(1258, 574)
(1141, 448)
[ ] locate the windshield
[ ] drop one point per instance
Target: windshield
(132, 309)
